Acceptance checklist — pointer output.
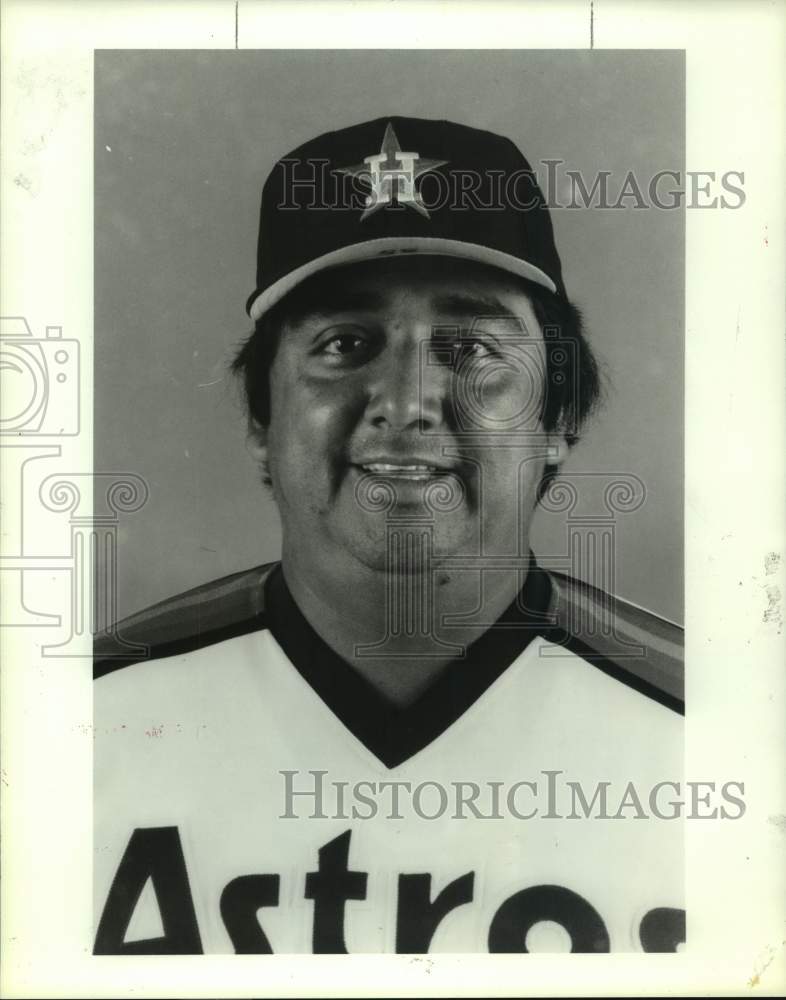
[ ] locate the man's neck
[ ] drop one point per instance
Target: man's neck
(390, 626)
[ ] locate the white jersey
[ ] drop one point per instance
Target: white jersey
(254, 795)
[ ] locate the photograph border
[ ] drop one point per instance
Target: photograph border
(735, 459)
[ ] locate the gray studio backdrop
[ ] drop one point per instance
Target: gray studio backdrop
(183, 142)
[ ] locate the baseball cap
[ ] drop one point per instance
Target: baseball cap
(400, 185)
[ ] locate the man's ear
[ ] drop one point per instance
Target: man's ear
(257, 440)
(557, 447)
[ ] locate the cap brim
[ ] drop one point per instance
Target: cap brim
(390, 246)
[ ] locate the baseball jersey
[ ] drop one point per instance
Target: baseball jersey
(253, 794)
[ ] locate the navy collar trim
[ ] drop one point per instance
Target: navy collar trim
(393, 733)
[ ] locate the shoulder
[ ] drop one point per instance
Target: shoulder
(207, 614)
(625, 641)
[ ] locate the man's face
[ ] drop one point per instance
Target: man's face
(412, 389)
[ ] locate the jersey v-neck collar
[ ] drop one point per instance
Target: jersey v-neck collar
(394, 733)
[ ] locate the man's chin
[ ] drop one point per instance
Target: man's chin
(410, 544)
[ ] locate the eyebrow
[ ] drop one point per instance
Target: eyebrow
(474, 304)
(337, 299)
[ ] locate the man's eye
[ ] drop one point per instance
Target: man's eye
(348, 344)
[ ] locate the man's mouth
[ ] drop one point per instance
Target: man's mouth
(404, 470)
(403, 466)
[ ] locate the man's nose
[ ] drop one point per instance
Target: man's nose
(406, 392)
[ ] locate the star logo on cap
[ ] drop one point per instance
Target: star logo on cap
(392, 174)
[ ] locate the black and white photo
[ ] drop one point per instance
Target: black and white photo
(410, 732)
(392, 454)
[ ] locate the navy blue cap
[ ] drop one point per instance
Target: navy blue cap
(401, 186)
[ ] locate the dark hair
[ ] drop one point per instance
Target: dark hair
(572, 372)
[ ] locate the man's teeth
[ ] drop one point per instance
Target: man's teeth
(406, 469)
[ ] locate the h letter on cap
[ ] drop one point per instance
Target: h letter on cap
(392, 174)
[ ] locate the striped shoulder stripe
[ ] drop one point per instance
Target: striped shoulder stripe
(207, 614)
(625, 641)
